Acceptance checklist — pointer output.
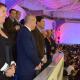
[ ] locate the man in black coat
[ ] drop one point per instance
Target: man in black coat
(40, 38)
(27, 56)
(10, 26)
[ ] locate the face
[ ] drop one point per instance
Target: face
(41, 24)
(18, 14)
(33, 22)
(2, 14)
(13, 14)
(44, 34)
(49, 33)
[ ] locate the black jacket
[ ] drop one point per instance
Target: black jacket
(39, 42)
(5, 51)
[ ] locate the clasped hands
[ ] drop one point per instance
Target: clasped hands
(38, 67)
(10, 71)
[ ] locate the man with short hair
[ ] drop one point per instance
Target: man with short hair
(10, 23)
(40, 38)
(11, 27)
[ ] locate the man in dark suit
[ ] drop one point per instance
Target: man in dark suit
(10, 26)
(40, 38)
(27, 59)
(10, 23)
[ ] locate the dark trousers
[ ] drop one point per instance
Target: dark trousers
(22, 77)
(27, 76)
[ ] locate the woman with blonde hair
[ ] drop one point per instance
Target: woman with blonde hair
(7, 66)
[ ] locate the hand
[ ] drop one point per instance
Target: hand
(42, 64)
(10, 71)
(13, 66)
(17, 27)
(51, 54)
(38, 67)
(44, 59)
(52, 48)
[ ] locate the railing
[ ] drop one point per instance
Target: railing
(54, 71)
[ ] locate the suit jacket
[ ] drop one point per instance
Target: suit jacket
(9, 27)
(50, 45)
(9, 24)
(22, 21)
(39, 42)
(27, 58)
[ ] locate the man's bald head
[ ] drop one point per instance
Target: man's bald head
(30, 20)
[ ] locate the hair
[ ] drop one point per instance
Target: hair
(27, 17)
(71, 63)
(11, 10)
(39, 18)
(17, 11)
(2, 5)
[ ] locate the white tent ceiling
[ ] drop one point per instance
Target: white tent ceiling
(50, 4)
(54, 8)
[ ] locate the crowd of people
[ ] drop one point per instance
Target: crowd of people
(25, 47)
(72, 62)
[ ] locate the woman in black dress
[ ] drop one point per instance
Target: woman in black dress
(7, 68)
